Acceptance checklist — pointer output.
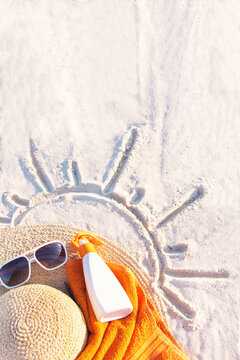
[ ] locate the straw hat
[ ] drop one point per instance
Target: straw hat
(40, 322)
(19, 239)
(32, 306)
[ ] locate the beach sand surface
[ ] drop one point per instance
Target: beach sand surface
(123, 118)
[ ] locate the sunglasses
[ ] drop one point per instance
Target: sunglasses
(17, 271)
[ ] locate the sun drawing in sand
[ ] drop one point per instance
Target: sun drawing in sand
(105, 193)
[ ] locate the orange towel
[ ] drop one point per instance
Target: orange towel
(140, 336)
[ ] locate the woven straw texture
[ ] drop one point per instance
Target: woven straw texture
(19, 239)
(40, 322)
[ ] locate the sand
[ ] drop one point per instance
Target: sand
(123, 118)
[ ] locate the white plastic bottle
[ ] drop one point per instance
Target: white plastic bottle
(108, 298)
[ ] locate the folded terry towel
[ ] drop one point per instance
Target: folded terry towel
(140, 336)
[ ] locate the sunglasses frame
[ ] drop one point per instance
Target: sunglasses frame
(32, 259)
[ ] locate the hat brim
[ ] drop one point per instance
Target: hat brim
(19, 239)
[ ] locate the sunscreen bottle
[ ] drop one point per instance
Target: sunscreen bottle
(108, 298)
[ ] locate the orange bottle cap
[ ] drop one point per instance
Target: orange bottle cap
(87, 247)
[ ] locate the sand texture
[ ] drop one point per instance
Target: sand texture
(123, 118)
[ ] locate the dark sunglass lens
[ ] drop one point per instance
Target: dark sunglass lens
(15, 272)
(51, 255)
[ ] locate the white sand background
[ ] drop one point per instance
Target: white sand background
(123, 117)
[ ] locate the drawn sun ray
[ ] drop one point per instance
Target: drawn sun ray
(120, 161)
(19, 200)
(221, 274)
(42, 174)
(106, 193)
(176, 248)
(5, 220)
(75, 173)
(177, 301)
(187, 200)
